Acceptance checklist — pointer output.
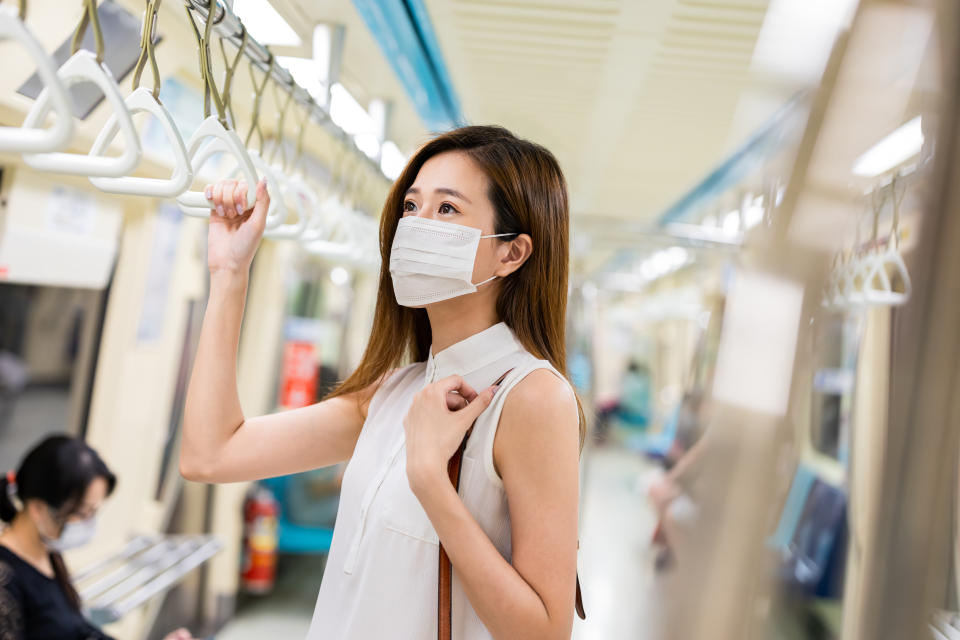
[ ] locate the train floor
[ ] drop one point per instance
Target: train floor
(616, 564)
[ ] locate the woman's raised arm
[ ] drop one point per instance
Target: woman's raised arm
(219, 444)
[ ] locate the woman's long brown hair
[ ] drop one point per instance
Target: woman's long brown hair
(529, 195)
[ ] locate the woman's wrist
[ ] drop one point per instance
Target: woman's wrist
(426, 480)
(229, 277)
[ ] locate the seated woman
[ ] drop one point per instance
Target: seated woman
(50, 504)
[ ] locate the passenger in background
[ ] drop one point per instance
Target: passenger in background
(50, 505)
(631, 407)
(670, 493)
(635, 395)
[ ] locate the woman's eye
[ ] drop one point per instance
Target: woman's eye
(447, 208)
(409, 205)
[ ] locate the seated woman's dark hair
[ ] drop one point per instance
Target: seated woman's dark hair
(57, 471)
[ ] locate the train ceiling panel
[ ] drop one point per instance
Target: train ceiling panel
(636, 97)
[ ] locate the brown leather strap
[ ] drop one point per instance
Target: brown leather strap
(578, 602)
(445, 573)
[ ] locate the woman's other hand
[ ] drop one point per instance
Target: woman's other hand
(661, 492)
(441, 414)
(235, 231)
(179, 634)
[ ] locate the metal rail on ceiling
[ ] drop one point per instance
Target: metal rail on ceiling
(230, 28)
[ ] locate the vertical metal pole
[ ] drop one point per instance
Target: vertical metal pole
(912, 554)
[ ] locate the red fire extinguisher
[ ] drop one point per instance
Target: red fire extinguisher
(259, 566)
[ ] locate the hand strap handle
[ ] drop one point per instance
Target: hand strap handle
(230, 68)
(210, 92)
(148, 37)
(258, 90)
(92, 18)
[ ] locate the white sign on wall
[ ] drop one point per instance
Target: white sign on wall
(55, 235)
(760, 326)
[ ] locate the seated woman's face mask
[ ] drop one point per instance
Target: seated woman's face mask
(75, 533)
(432, 260)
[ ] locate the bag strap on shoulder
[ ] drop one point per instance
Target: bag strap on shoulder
(445, 573)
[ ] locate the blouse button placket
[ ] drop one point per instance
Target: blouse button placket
(354, 552)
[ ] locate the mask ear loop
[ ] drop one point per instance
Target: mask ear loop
(494, 235)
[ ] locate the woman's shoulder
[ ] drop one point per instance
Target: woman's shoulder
(10, 565)
(8, 573)
(11, 595)
(541, 389)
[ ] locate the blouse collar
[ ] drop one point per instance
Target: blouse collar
(473, 353)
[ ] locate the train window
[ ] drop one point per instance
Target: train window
(49, 337)
(315, 327)
(836, 349)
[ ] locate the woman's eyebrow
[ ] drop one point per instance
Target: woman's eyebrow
(446, 190)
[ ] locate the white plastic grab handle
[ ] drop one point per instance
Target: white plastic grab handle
(303, 199)
(217, 139)
(83, 67)
(34, 139)
(277, 211)
(142, 100)
(319, 225)
(878, 288)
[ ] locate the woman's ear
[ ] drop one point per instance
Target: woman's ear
(36, 511)
(514, 254)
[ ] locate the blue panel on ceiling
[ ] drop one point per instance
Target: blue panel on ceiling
(748, 158)
(429, 39)
(403, 30)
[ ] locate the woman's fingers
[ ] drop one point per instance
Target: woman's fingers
(455, 401)
(473, 410)
(216, 202)
(458, 384)
(229, 206)
(259, 215)
(240, 197)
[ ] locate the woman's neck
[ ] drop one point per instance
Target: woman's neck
(459, 318)
(23, 538)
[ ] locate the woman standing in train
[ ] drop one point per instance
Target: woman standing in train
(473, 291)
(50, 505)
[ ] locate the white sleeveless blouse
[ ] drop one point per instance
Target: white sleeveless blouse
(380, 579)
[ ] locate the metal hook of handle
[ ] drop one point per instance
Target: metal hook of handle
(89, 17)
(230, 69)
(304, 121)
(358, 179)
(210, 93)
(148, 38)
(877, 200)
(258, 100)
(284, 106)
(897, 201)
(345, 168)
(22, 12)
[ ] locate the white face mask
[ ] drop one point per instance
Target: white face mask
(432, 260)
(74, 534)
